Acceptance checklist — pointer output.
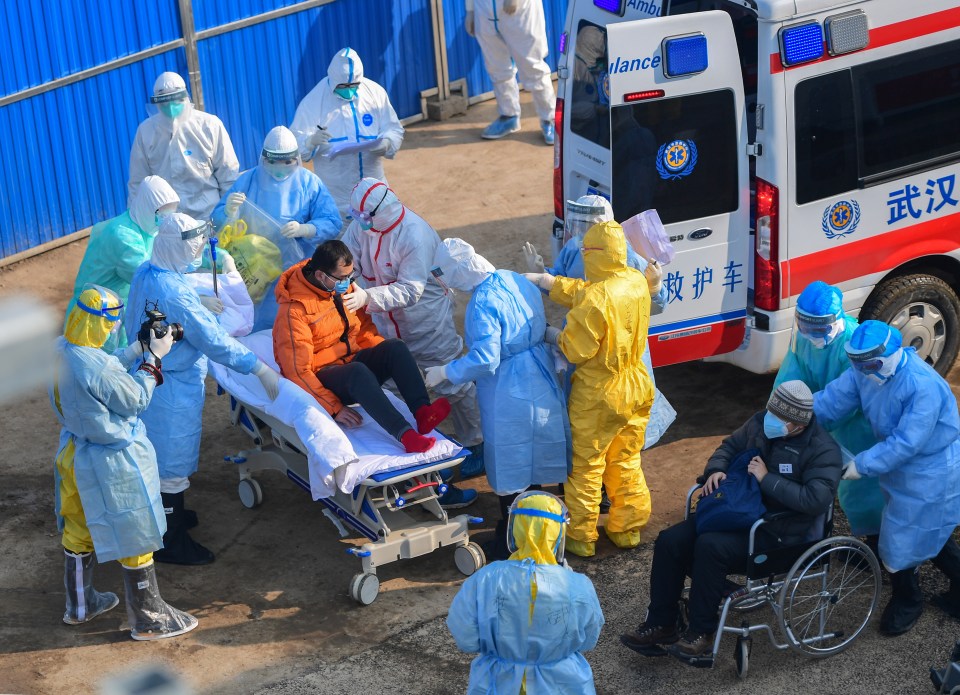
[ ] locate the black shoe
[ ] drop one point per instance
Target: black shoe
(648, 640)
(496, 547)
(178, 547)
(694, 649)
(190, 519)
(948, 602)
(905, 606)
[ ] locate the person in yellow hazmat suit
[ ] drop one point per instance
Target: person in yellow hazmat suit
(605, 337)
(108, 487)
(529, 618)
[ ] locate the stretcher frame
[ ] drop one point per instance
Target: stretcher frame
(376, 509)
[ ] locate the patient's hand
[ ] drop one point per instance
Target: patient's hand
(348, 417)
(713, 482)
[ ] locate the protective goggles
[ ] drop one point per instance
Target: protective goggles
(111, 307)
(862, 357)
(280, 157)
(180, 95)
(347, 85)
(205, 230)
(816, 326)
(869, 366)
(563, 518)
(366, 218)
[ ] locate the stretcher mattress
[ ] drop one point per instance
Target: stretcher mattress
(337, 457)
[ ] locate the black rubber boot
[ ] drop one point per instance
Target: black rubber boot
(178, 547)
(948, 562)
(150, 616)
(83, 601)
(905, 606)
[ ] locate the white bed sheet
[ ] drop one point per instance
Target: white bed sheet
(337, 458)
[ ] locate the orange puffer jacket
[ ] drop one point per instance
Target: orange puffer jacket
(308, 332)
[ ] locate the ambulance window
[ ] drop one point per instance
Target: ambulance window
(909, 108)
(826, 137)
(676, 155)
(590, 103)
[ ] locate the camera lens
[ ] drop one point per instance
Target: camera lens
(177, 331)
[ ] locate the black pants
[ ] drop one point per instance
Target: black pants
(360, 382)
(707, 559)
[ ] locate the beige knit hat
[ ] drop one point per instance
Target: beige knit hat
(793, 402)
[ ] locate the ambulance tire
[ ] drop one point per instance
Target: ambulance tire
(926, 310)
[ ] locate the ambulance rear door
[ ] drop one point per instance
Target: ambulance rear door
(679, 145)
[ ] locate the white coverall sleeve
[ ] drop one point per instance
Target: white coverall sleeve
(414, 263)
(226, 166)
(305, 120)
(391, 131)
(138, 165)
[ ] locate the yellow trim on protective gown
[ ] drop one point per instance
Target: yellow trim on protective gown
(611, 394)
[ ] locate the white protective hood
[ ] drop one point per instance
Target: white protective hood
(170, 250)
(152, 194)
(459, 266)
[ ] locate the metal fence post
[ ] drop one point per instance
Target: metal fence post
(190, 46)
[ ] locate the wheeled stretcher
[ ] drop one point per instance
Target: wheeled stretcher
(362, 489)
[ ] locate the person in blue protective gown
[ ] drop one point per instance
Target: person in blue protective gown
(119, 245)
(816, 357)
(108, 492)
(523, 411)
(914, 417)
(587, 211)
(173, 418)
(529, 618)
(292, 195)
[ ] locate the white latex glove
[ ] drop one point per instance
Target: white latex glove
(227, 264)
(434, 376)
(542, 280)
(212, 303)
(160, 347)
(319, 139)
(234, 201)
(551, 335)
(850, 472)
(510, 6)
(293, 229)
(468, 23)
(654, 274)
(356, 299)
(532, 257)
(269, 379)
(381, 148)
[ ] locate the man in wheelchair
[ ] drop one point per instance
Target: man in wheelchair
(798, 469)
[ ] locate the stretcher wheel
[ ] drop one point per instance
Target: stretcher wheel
(364, 588)
(741, 656)
(251, 495)
(469, 558)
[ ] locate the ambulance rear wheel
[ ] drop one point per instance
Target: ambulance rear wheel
(926, 310)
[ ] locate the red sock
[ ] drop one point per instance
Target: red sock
(416, 443)
(429, 416)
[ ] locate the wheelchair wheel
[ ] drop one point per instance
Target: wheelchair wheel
(741, 656)
(829, 596)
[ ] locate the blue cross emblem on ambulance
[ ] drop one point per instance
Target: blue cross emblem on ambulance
(676, 159)
(841, 219)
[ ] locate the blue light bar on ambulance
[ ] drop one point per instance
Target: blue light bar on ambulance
(847, 32)
(615, 6)
(801, 43)
(684, 55)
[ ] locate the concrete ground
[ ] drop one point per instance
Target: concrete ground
(274, 612)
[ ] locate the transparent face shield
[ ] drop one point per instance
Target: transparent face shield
(364, 218)
(111, 307)
(872, 362)
(562, 519)
(280, 165)
(170, 105)
(819, 331)
(579, 218)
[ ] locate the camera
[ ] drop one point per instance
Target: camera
(157, 324)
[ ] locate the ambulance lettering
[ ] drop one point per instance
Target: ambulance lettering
(908, 201)
(648, 6)
(633, 64)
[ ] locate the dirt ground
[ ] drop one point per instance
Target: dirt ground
(274, 611)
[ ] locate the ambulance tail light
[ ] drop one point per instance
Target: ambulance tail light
(767, 254)
(558, 199)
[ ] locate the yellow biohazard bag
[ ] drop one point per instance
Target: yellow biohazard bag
(258, 259)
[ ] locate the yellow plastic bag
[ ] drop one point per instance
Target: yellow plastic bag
(258, 259)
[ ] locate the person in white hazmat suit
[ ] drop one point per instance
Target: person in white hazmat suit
(190, 149)
(393, 250)
(346, 108)
(513, 38)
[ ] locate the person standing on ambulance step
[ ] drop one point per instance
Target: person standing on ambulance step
(513, 38)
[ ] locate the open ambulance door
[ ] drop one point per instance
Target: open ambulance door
(679, 145)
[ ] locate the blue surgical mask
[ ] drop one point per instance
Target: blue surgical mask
(346, 93)
(341, 286)
(172, 109)
(774, 427)
(279, 172)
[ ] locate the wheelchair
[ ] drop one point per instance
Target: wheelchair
(822, 593)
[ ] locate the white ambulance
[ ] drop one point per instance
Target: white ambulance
(781, 142)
